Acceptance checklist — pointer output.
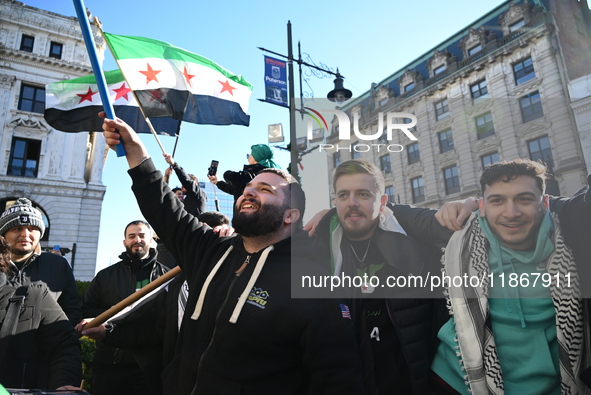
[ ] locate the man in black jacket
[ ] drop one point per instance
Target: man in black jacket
(115, 370)
(362, 239)
(22, 225)
(44, 351)
(242, 331)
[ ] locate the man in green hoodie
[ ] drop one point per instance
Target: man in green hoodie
(517, 316)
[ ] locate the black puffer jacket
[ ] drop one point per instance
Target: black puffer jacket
(44, 352)
(414, 319)
(278, 344)
(56, 273)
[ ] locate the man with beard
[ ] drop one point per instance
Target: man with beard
(242, 331)
(361, 238)
(22, 226)
(115, 370)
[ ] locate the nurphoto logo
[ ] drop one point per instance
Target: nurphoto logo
(393, 121)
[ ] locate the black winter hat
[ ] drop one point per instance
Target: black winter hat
(21, 213)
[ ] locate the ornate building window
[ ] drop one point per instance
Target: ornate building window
(479, 90)
(418, 189)
(452, 180)
(441, 110)
(440, 69)
(385, 164)
(55, 50)
(475, 49)
(489, 159)
(389, 191)
(27, 43)
(32, 98)
(473, 43)
(524, 71)
(336, 159)
(484, 125)
(531, 107)
(414, 153)
(446, 141)
(24, 158)
(517, 25)
(409, 80)
(540, 150)
(516, 17)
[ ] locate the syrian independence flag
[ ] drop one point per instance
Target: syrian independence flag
(172, 82)
(73, 106)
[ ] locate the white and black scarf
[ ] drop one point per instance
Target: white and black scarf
(467, 253)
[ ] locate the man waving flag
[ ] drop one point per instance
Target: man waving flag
(172, 82)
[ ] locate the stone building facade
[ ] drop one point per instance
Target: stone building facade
(59, 172)
(515, 83)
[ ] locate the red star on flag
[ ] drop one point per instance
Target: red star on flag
(187, 75)
(86, 96)
(122, 91)
(157, 95)
(226, 87)
(150, 74)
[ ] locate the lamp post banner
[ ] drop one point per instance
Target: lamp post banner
(276, 81)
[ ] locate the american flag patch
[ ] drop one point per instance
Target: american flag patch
(345, 311)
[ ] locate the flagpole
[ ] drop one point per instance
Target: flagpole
(134, 297)
(178, 134)
(96, 66)
(100, 27)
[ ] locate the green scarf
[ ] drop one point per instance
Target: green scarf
(263, 155)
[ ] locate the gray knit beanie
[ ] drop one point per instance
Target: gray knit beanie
(21, 213)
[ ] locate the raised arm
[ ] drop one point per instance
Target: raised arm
(118, 132)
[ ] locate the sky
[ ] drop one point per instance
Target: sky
(367, 41)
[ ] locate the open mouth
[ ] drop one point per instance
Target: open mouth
(248, 206)
(355, 216)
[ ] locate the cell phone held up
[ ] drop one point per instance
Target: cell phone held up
(213, 168)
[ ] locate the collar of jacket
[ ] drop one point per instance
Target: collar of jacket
(398, 255)
(27, 262)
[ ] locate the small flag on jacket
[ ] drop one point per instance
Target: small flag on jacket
(345, 311)
(173, 82)
(73, 105)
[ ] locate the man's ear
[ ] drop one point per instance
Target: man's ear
(291, 216)
(546, 202)
(383, 201)
(481, 207)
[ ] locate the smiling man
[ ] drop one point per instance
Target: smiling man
(361, 238)
(519, 328)
(242, 331)
(22, 226)
(115, 370)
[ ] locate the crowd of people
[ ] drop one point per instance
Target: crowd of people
(239, 319)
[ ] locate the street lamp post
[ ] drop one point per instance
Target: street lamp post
(339, 94)
(292, 129)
